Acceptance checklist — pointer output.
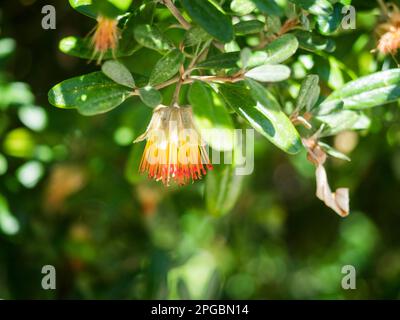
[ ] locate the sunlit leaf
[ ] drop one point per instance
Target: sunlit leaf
(343, 120)
(281, 49)
(269, 73)
(261, 110)
(211, 116)
(90, 94)
(374, 90)
(242, 7)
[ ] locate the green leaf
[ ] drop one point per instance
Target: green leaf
(309, 93)
(222, 190)
(265, 115)
(276, 52)
(195, 36)
(90, 94)
(316, 7)
(210, 115)
(79, 47)
(374, 90)
(242, 7)
(245, 56)
(269, 73)
(150, 96)
(273, 24)
(310, 42)
(343, 120)
(85, 7)
(281, 49)
(328, 24)
(221, 61)
(243, 28)
(333, 152)
(117, 72)
(167, 67)
(151, 37)
(269, 7)
(109, 8)
(122, 5)
(210, 18)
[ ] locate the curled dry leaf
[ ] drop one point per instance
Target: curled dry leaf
(338, 200)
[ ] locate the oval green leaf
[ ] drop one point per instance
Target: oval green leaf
(261, 110)
(117, 72)
(242, 7)
(85, 7)
(221, 61)
(210, 18)
(151, 37)
(90, 94)
(150, 96)
(243, 28)
(281, 49)
(309, 93)
(167, 67)
(374, 90)
(269, 73)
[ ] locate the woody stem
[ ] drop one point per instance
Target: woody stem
(174, 10)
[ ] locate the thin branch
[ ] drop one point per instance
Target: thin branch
(174, 10)
(175, 97)
(215, 79)
(191, 79)
(383, 7)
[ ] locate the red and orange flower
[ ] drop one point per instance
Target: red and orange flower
(105, 37)
(174, 149)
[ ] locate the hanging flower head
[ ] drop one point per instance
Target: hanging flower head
(389, 32)
(105, 37)
(174, 149)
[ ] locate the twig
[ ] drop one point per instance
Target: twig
(175, 97)
(288, 26)
(383, 7)
(191, 79)
(175, 12)
(233, 79)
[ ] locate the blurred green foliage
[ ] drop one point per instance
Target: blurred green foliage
(70, 194)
